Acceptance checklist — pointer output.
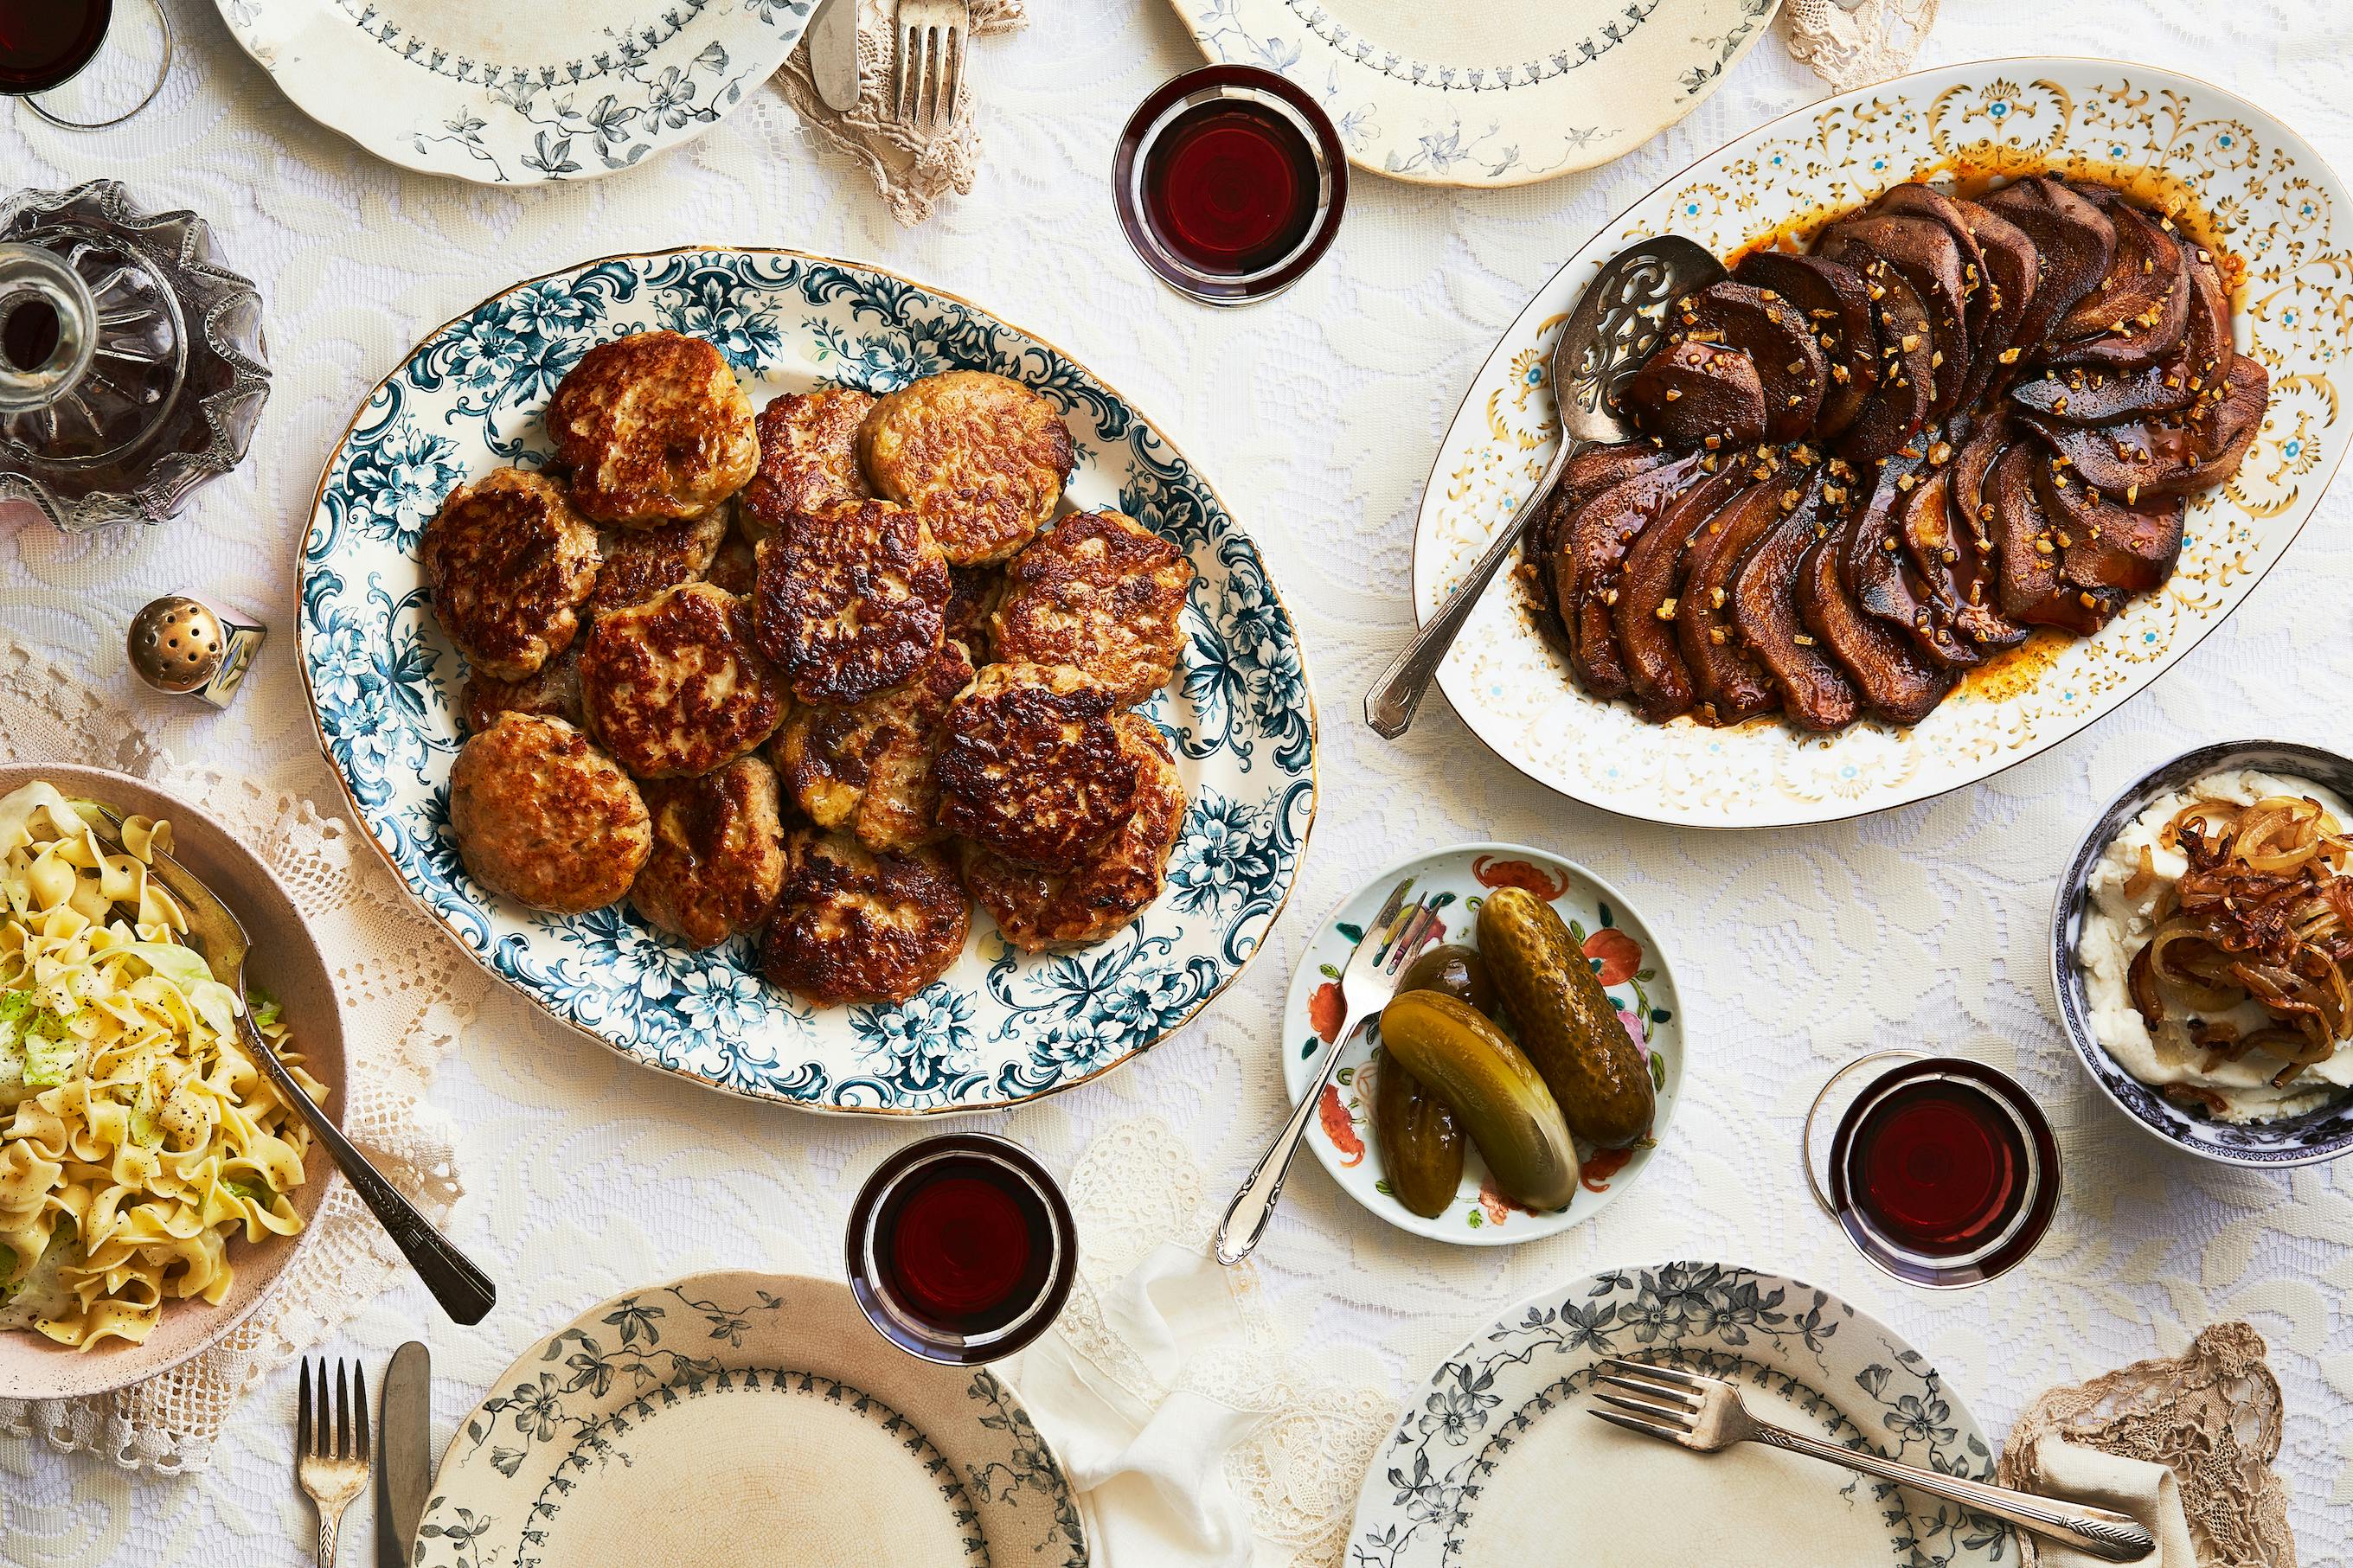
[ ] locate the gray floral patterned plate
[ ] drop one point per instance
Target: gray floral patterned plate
(1000, 1026)
(1494, 1462)
(508, 94)
(745, 1417)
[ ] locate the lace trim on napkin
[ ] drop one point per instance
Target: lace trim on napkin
(2211, 1416)
(1855, 48)
(405, 990)
(911, 169)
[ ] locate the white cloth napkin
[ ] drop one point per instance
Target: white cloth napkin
(1109, 1389)
(2141, 1487)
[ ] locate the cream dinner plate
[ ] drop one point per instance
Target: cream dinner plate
(1505, 92)
(2271, 203)
(1495, 1463)
(1626, 958)
(744, 1421)
(517, 93)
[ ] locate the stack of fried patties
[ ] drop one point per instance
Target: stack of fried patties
(813, 675)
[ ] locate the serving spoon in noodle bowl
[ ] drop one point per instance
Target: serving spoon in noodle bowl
(464, 1292)
(1618, 321)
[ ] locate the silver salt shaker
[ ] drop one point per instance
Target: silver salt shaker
(185, 647)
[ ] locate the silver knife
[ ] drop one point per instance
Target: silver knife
(406, 1473)
(833, 52)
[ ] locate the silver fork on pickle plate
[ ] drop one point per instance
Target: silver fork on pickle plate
(1366, 983)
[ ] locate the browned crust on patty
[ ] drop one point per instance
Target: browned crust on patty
(653, 426)
(1032, 767)
(867, 769)
(849, 601)
(674, 687)
(640, 562)
(1101, 592)
(972, 593)
(982, 458)
(809, 456)
(1037, 910)
(551, 692)
(544, 817)
(509, 562)
(718, 853)
(854, 926)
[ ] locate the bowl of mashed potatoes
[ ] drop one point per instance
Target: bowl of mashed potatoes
(2202, 952)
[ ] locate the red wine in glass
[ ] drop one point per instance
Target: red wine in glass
(1944, 1172)
(1230, 182)
(960, 1249)
(45, 43)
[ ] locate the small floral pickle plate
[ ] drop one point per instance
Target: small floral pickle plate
(1626, 958)
(745, 1417)
(1494, 1462)
(999, 1027)
(2252, 188)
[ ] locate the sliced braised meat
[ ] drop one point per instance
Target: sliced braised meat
(2079, 395)
(1895, 683)
(2072, 240)
(1815, 691)
(1729, 685)
(1696, 394)
(2012, 264)
(1899, 405)
(2106, 545)
(1928, 258)
(2163, 457)
(1582, 478)
(1584, 571)
(1945, 557)
(1644, 612)
(1773, 334)
(1837, 306)
(1969, 522)
(2137, 314)
(1913, 199)
(1882, 576)
(2207, 344)
(2026, 547)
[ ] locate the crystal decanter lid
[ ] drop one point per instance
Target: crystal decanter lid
(132, 366)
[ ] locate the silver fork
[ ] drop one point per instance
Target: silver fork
(332, 1455)
(1366, 983)
(1705, 1415)
(927, 77)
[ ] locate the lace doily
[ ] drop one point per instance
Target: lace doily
(1854, 45)
(404, 991)
(2211, 1416)
(913, 169)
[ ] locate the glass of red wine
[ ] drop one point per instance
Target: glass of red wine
(1231, 182)
(46, 45)
(960, 1248)
(1942, 1171)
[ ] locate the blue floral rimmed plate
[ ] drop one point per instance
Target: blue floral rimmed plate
(1493, 1462)
(2303, 1140)
(1626, 957)
(1001, 1026)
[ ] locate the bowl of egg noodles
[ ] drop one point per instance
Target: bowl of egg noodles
(154, 1186)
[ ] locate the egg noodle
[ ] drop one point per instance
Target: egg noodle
(137, 1133)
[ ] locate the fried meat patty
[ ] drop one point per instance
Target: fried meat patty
(854, 926)
(544, 817)
(1033, 767)
(867, 768)
(551, 692)
(674, 687)
(508, 563)
(642, 561)
(849, 601)
(718, 853)
(809, 456)
(654, 427)
(1037, 910)
(1101, 592)
(981, 458)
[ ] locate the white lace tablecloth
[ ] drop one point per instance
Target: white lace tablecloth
(1317, 417)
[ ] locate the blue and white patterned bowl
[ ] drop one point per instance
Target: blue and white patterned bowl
(2305, 1139)
(1001, 1026)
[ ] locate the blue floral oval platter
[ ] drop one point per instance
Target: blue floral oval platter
(999, 1027)
(1495, 1460)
